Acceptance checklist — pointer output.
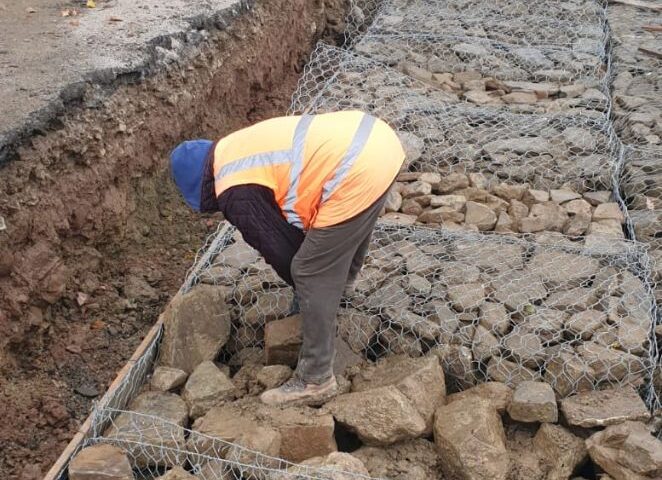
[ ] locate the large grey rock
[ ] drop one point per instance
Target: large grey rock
(484, 344)
(494, 317)
(335, 466)
(608, 363)
(559, 268)
(238, 255)
(381, 416)
(100, 461)
(600, 408)
(480, 215)
(517, 289)
(421, 380)
(525, 346)
(268, 306)
(357, 328)
(470, 440)
(467, 296)
(584, 324)
(207, 387)
(159, 419)
(502, 370)
(567, 373)
(196, 327)
(627, 451)
(533, 402)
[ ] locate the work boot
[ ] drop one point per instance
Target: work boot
(297, 392)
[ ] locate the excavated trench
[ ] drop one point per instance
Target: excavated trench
(97, 239)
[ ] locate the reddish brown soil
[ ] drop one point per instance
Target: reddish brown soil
(97, 238)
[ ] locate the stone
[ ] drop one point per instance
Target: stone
(467, 296)
(282, 341)
(393, 201)
(494, 317)
(411, 207)
(606, 228)
(456, 202)
(505, 224)
(568, 374)
(100, 461)
(416, 72)
(335, 466)
(416, 285)
(368, 280)
(380, 416)
(165, 379)
(430, 177)
(399, 218)
(520, 98)
(400, 343)
(392, 294)
(484, 344)
(441, 215)
(546, 324)
(544, 216)
(451, 182)
(273, 376)
(490, 256)
(478, 180)
(627, 451)
(470, 440)
(578, 207)
(525, 346)
(608, 211)
(207, 387)
(516, 290)
(558, 268)
(480, 215)
(584, 324)
(413, 460)
(579, 140)
(269, 306)
(563, 195)
(305, 432)
(421, 380)
(596, 198)
(357, 329)
(497, 393)
(572, 91)
(412, 145)
(511, 373)
(517, 210)
(159, 419)
(599, 408)
(533, 402)
(455, 273)
(456, 360)
(480, 97)
(196, 326)
(415, 189)
(517, 145)
(577, 225)
(532, 196)
(176, 473)
(239, 255)
(560, 450)
(609, 364)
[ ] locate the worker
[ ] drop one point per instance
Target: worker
(305, 191)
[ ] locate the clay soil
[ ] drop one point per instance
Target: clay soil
(97, 239)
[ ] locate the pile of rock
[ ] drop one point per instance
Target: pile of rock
(393, 419)
(503, 61)
(472, 202)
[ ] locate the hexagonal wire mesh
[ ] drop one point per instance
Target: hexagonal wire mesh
(491, 307)
(546, 151)
(581, 26)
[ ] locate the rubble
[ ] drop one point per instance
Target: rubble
(559, 450)
(414, 460)
(166, 378)
(498, 394)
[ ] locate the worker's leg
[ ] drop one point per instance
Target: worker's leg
(320, 270)
(255, 213)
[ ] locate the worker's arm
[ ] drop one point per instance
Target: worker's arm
(255, 213)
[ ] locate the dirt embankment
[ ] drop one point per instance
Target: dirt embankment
(97, 239)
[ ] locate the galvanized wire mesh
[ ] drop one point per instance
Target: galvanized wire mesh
(581, 26)
(547, 151)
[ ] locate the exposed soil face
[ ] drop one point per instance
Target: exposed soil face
(97, 239)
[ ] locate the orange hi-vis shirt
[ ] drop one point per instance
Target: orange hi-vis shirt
(324, 169)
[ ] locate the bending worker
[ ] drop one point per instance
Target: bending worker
(305, 191)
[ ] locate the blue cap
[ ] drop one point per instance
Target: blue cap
(187, 161)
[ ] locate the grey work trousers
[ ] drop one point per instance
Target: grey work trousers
(329, 258)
